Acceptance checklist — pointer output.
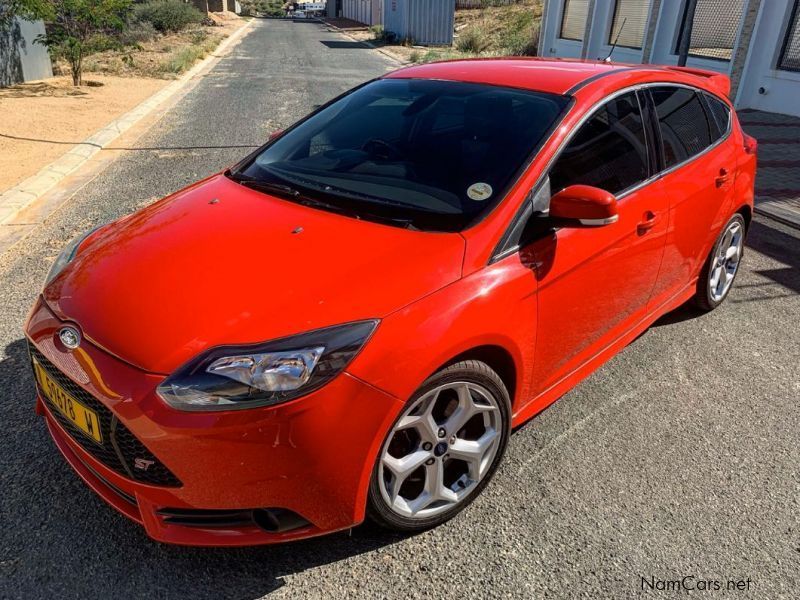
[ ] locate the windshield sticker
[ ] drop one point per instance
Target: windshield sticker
(479, 191)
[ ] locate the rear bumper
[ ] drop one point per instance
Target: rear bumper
(249, 477)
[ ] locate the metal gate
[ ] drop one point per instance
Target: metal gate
(790, 51)
(714, 27)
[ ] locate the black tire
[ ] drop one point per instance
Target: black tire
(470, 371)
(702, 298)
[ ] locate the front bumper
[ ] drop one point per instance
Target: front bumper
(258, 476)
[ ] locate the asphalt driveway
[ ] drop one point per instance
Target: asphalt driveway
(680, 457)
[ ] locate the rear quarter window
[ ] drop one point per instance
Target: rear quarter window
(720, 116)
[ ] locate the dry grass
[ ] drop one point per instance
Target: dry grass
(510, 30)
(163, 56)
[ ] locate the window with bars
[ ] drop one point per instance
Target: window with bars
(573, 20)
(790, 51)
(629, 22)
(714, 28)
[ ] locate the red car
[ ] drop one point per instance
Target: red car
(350, 321)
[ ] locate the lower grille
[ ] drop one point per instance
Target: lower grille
(273, 520)
(120, 451)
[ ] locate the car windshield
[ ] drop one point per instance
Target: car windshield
(428, 154)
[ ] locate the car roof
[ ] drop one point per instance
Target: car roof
(555, 76)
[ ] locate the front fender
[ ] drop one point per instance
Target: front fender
(495, 306)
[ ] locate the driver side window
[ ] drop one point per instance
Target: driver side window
(609, 151)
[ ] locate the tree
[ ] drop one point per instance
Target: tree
(77, 28)
(26, 9)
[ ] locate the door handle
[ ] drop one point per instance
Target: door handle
(723, 177)
(649, 221)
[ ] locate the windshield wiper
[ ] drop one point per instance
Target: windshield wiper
(297, 196)
(356, 214)
(265, 186)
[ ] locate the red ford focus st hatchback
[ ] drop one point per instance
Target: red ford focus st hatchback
(349, 322)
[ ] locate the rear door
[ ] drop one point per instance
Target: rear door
(699, 161)
(594, 283)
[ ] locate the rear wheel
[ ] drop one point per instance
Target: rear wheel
(722, 265)
(442, 450)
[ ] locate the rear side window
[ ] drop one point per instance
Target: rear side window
(720, 116)
(685, 129)
(609, 151)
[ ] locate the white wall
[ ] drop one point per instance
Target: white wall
(553, 45)
(599, 46)
(781, 89)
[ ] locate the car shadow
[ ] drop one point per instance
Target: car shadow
(61, 539)
(771, 241)
(766, 238)
(341, 45)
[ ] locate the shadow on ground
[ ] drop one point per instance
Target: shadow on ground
(779, 246)
(337, 45)
(65, 540)
(771, 242)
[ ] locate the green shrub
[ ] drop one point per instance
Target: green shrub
(167, 15)
(378, 33)
(137, 33)
(182, 60)
(522, 43)
(472, 40)
(415, 56)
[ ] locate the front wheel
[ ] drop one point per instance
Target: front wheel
(722, 265)
(442, 450)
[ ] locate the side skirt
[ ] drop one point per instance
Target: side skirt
(554, 392)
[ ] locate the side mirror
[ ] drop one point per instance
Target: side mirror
(583, 206)
(275, 134)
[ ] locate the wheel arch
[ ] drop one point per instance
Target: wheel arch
(497, 358)
(747, 213)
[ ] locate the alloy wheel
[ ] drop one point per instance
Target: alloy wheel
(726, 261)
(439, 450)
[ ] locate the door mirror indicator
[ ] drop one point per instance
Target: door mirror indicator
(275, 134)
(583, 206)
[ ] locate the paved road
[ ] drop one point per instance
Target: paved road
(680, 457)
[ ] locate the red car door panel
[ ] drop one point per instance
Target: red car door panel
(594, 283)
(700, 185)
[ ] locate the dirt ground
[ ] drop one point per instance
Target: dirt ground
(52, 116)
(41, 120)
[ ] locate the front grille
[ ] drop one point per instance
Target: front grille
(120, 450)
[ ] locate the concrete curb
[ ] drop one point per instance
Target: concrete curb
(14, 200)
(778, 210)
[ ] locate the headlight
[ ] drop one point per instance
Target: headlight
(236, 377)
(67, 255)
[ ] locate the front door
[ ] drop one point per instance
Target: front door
(594, 283)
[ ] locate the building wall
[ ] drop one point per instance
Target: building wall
(763, 85)
(20, 58)
(361, 11)
(756, 80)
(426, 22)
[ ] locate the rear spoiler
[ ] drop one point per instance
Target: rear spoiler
(719, 82)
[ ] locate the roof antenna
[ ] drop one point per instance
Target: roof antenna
(616, 39)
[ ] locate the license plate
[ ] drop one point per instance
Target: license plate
(83, 418)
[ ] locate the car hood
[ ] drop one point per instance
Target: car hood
(218, 263)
